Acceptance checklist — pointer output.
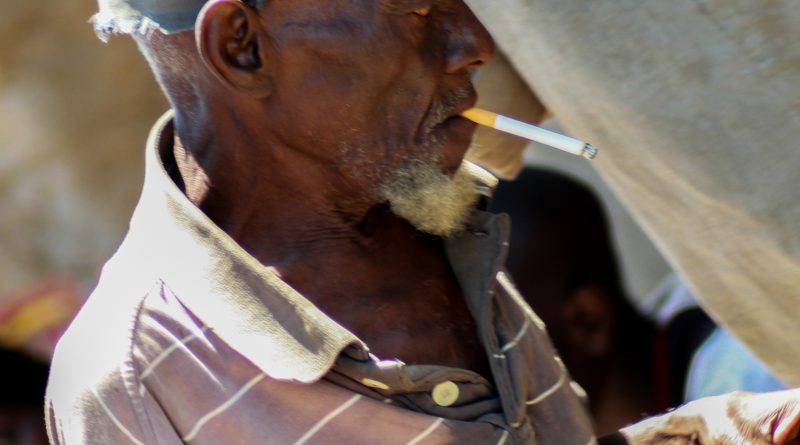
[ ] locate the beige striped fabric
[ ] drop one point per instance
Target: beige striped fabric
(189, 340)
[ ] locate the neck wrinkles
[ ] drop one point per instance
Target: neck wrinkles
(275, 202)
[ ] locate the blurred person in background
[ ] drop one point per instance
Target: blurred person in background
(564, 264)
(563, 260)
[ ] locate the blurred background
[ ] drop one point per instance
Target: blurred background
(75, 113)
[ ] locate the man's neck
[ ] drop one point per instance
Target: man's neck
(365, 267)
(271, 200)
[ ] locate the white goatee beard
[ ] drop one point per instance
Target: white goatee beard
(430, 200)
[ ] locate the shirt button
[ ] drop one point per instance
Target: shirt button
(445, 394)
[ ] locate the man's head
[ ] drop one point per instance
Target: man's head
(371, 89)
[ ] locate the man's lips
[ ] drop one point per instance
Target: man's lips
(456, 137)
(450, 106)
(459, 123)
(447, 130)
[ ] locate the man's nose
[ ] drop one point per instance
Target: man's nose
(469, 45)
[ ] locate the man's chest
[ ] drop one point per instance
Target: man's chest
(371, 396)
(410, 310)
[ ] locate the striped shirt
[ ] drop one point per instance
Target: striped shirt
(187, 339)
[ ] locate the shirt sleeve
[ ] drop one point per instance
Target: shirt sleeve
(109, 413)
(94, 419)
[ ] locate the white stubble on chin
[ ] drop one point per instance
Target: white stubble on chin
(430, 200)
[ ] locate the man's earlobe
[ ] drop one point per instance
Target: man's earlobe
(229, 41)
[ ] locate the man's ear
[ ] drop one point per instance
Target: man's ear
(228, 38)
(589, 322)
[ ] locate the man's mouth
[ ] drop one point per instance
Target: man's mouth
(455, 135)
(451, 106)
(451, 132)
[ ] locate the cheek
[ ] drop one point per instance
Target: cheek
(368, 97)
(385, 111)
(411, 90)
(320, 102)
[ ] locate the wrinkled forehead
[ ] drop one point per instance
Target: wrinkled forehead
(138, 16)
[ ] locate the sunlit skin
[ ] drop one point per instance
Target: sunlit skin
(297, 114)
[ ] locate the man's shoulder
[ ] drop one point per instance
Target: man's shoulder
(96, 348)
(94, 384)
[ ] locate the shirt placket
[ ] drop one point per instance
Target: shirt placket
(477, 257)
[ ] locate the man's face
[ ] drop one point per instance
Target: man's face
(372, 86)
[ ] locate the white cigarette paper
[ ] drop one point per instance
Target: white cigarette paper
(531, 132)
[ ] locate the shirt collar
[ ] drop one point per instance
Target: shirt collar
(244, 303)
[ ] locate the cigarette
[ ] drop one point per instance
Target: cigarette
(531, 132)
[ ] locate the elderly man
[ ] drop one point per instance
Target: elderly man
(309, 264)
